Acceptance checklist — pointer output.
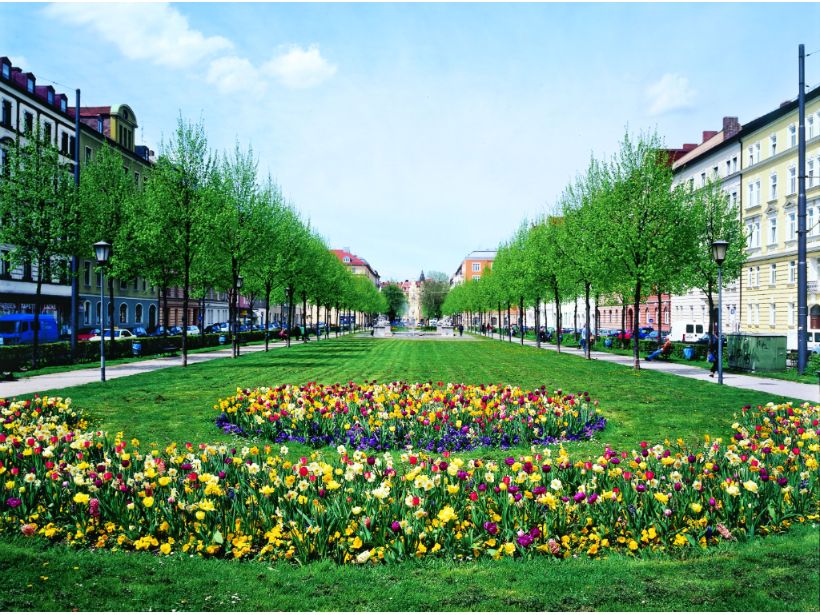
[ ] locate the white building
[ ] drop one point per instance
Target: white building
(717, 157)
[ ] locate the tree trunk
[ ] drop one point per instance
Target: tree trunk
(623, 322)
(575, 322)
(635, 323)
(557, 315)
(538, 323)
(304, 315)
(659, 317)
(36, 323)
(186, 281)
(522, 317)
(267, 313)
(587, 351)
(711, 302)
(110, 311)
(509, 324)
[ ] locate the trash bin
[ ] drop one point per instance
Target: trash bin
(136, 348)
(222, 339)
(608, 342)
(689, 352)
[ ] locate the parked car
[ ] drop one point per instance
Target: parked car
(139, 331)
(19, 329)
(119, 335)
(174, 330)
(193, 330)
(86, 333)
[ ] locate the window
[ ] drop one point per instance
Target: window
(63, 106)
(87, 154)
(99, 312)
(715, 172)
(734, 198)
(749, 313)
(346, 259)
(5, 270)
(809, 173)
(99, 279)
(810, 127)
(87, 274)
(28, 122)
(751, 155)
(136, 179)
(728, 167)
(703, 179)
(754, 193)
(6, 71)
(99, 124)
(691, 183)
(136, 284)
(86, 312)
(47, 132)
(792, 135)
(64, 144)
(734, 164)
(772, 230)
(27, 270)
(773, 144)
(6, 117)
(791, 314)
(792, 272)
(773, 274)
(773, 187)
(772, 314)
(753, 232)
(476, 277)
(757, 314)
(123, 313)
(792, 180)
(810, 221)
(814, 317)
(30, 85)
(757, 276)
(50, 97)
(71, 146)
(476, 267)
(138, 314)
(123, 285)
(791, 226)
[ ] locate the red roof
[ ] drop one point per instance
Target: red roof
(91, 111)
(352, 258)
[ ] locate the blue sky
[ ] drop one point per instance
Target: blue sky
(415, 133)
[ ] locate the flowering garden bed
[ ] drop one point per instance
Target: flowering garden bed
(69, 484)
(436, 418)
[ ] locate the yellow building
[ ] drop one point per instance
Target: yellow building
(768, 297)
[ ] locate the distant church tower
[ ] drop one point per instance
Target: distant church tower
(421, 277)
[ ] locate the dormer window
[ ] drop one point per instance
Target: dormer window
(346, 259)
(99, 124)
(63, 106)
(30, 85)
(6, 71)
(50, 97)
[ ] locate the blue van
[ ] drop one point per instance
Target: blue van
(19, 329)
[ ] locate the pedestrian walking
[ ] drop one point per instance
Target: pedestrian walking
(460, 330)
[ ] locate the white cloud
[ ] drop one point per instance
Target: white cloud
(300, 68)
(143, 31)
(232, 73)
(671, 92)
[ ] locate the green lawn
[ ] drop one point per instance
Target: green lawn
(776, 573)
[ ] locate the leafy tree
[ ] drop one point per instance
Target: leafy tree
(181, 204)
(712, 218)
(38, 210)
(433, 293)
(396, 301)
(106, 205)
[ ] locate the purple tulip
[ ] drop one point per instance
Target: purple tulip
(395, 526)
(491, 528)
(525, 540)
(14, 502)
(578, 497)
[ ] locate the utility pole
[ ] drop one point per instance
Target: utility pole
(75, 261)
(802, 296)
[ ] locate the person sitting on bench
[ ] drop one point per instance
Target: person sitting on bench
(663, 352)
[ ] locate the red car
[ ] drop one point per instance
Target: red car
(86, 333)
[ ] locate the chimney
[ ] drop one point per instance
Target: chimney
(708, 134)
(730, 127)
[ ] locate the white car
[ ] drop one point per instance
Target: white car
(193, 330)
(119, 334)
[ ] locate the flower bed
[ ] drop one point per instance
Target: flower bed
(436, 418)
(70, 485)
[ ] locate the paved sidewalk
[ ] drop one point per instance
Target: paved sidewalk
(63, 380)
(784, 388)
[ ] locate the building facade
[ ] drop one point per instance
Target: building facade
(717, 157)
(769, 215)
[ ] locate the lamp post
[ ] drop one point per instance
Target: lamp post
(239, 282)
(287, 317)
(103, 253)
(719, 254)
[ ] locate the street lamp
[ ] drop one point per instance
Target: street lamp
(287, 317)
(103, 252)
(719, 254)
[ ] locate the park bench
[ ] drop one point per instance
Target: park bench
(169, 350)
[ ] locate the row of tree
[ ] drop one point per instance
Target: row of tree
(618, 233)
(201, 221)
